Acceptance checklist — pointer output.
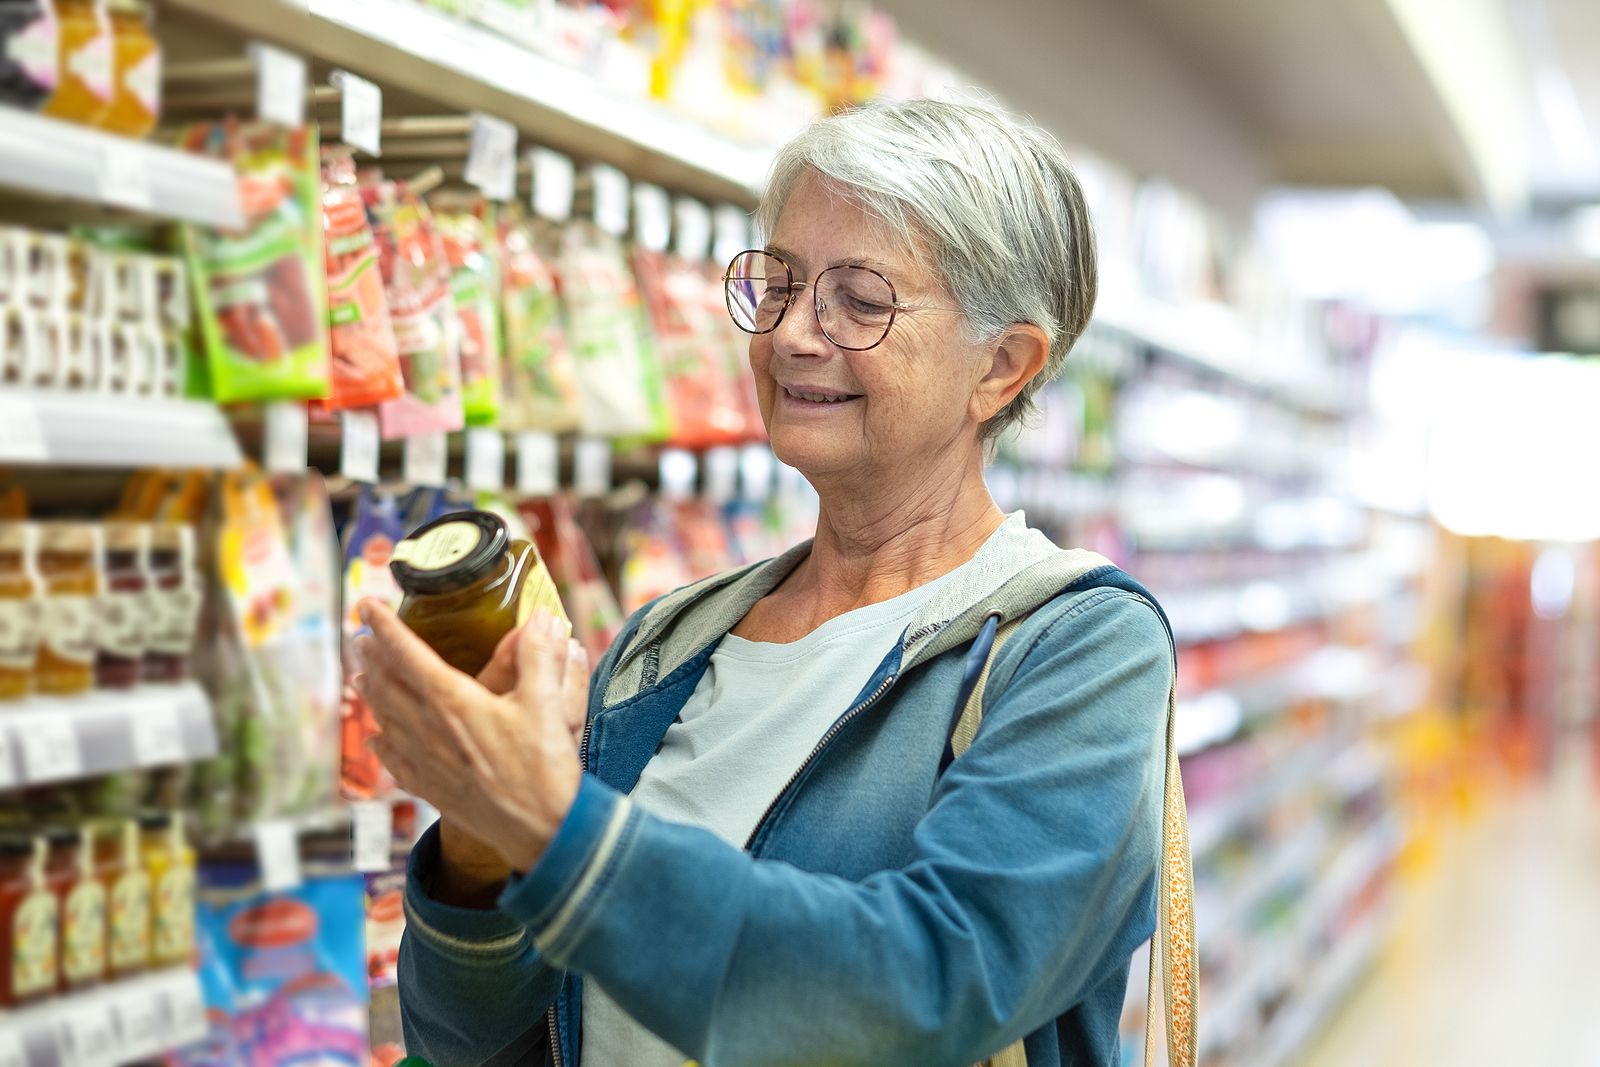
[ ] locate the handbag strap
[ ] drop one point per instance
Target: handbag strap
(1172, 947)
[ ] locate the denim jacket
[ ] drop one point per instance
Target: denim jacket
(885, 911)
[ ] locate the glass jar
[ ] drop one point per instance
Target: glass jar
(172, 603)
(83, 919)
(120, 644)
(68, 561)
(30, 56)
(62, 873)
(128, 900)
(136, 60)
(169, 864)
(28, 921)
(19, 610)
(86, 74)
(467, 584)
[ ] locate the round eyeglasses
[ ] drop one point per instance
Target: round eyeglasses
(855, 306)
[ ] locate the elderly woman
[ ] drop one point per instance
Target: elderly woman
(749, 838)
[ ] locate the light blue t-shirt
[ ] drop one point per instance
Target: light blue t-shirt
(756, 715)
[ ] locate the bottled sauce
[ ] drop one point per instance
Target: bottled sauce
(61, 876)
(123, 621)
(169, 863)
(29, 43)
(172, 603)
(86, 78)
(83, 918)
(136, 60)
(68, 565)
(467, 585)
(29, 921)
(128, 899)
(19, 610)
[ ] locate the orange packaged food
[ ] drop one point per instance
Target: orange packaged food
(366, 365)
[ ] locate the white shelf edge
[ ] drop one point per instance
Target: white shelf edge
(84, 429)
(48, 157)
(168, 1006)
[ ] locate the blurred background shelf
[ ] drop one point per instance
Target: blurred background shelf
(130, 1021)
(56, 739)
(78, 429)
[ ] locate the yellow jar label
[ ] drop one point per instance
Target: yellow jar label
(130, 921)
(69, 630)
(174, 915)
(83, 933)
(19, 633)
(33, 945)
(440, 547)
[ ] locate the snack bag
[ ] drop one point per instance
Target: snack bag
(618, 376)
(416, 279)
(258, 292)
(365, 367)
(540, 384)
(474, 289)
(702, 387)
(374, 530)
(580, 583)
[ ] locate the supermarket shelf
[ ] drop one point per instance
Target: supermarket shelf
(123, 1022)
(448, 61)
(61, 428)
(49, 158)
(1216, 821)
(53, 739)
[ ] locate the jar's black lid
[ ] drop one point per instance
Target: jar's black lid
(60, 834)
(15, 845)
(449, 553)
(155, 820)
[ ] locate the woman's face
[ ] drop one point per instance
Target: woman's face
(907, 407)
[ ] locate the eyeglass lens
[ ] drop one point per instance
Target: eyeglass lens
(854, 305)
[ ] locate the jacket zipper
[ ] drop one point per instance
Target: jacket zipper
(555, 1046)
(833, 731)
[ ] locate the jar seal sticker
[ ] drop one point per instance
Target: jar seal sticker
(439, 547)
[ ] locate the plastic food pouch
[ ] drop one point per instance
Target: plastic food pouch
(259, 292)
(366, 365)
(540, 383)
(475, 288)
(369, 541)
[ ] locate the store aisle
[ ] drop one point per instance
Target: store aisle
(1495, 950)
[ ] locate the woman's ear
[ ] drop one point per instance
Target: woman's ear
(1014, 360)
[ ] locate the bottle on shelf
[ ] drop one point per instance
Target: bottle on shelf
(19, 610)
(69, 564)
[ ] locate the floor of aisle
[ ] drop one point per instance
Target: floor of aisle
(1494, 957)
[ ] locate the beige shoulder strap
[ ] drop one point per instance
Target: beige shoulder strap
(1174, 899)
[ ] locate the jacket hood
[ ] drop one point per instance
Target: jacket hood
(1015, 571)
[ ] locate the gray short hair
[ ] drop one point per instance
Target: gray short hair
(993, 198)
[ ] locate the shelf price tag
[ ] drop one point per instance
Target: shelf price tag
(84, 1033)
(157, 735)
(21, 436)
(538, 464)
(692, 229)
(185, 1008)
(11, 1051)
(360, 112)
(722, 474)
(358, 453)
(652, 215)
(610, 199)
(372, 831)
(492, 157)
(553, 180)
(425, 459)
(731, 227)
(287, 435)
(277, 854)
(486, 459)
(137, 1016)
(50, 750)
(677, 469)
(124, 180)
(591, 466)
(280, 85)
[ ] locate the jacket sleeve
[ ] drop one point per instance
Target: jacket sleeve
(1033, 879)
(473, 987)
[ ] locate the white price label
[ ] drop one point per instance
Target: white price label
(21, 436)
(732, 229)
(425, 460)
(50, 751)
(124, 180)
(280, 85)
(277, 854)
(11, 1051)
(8, 766)
(186, 1009)
(486, 459)
(692, 232)
(358, 454)
(610, 187)
(137, 1015)
(85, 1033)
(492, 157)
(158, 735)
(287, 432)
(722, 474)
(538, 464)
(372, 829)
(591, 466)
(552, 184)
(755, 472)
(360, 112)
(677, 469)
(652, 217)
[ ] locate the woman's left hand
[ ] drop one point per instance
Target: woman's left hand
(502, 767)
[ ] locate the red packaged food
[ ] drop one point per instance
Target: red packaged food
(366, 364)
